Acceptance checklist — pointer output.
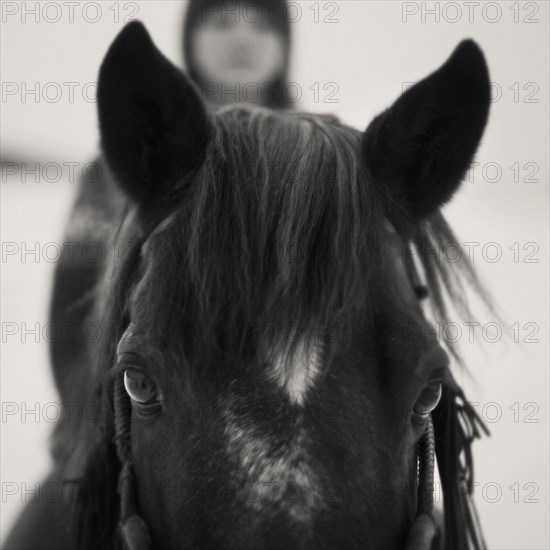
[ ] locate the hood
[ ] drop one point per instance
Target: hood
(273, 11)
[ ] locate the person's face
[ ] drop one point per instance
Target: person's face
(238, 53)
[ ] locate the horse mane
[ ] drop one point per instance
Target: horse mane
(447, 280)
(279, 230)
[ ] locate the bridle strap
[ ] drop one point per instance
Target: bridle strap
(426, 469)
(133, 530)
(424, 531)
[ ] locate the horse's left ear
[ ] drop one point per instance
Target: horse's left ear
(154, 126)
(420, 148)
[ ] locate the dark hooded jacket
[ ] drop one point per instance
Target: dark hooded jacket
(273, 13)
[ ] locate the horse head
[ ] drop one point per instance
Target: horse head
(272, 374)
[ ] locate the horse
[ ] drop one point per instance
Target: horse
(265, 376)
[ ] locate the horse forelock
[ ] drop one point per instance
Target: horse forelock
(275, 238)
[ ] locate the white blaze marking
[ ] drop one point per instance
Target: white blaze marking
(273, 470)
(296, 370)
(278, 466)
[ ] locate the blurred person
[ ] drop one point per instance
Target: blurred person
(238, 52)
(223, 47)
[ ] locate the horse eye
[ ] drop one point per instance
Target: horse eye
(140, 387)
(427, 402)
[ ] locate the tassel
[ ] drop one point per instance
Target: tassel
(457, 425)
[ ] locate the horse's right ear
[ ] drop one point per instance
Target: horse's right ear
(154, 125)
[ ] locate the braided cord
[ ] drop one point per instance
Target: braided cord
(133, 529)
(426, 468)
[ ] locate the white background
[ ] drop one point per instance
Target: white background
(369, 53)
